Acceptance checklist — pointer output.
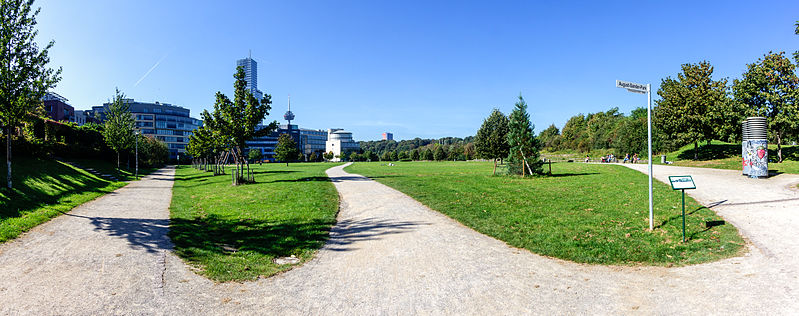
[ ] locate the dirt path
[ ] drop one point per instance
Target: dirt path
(391, 255)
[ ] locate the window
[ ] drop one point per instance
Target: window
(160, 124)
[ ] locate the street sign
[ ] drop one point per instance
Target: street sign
(682, 182)
(632, 86)
(645, 89)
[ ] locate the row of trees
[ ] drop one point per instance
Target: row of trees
(430, 152)
(510, 138)
(227, 128)
(693, 107)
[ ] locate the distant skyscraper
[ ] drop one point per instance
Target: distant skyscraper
(388, 136)
(251, 75)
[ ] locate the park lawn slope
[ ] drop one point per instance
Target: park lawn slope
(234, 233)
(588, 213)
(44, 189)
(720, 155)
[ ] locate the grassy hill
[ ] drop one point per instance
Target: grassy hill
(43, 189)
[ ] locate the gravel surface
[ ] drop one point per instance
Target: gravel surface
(391, 255)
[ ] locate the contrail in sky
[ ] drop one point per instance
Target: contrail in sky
(151, 70)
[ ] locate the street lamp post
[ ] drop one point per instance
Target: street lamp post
(137, 155)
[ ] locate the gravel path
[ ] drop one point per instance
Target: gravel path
(391, 255)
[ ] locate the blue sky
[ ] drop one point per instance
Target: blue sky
(415, 68)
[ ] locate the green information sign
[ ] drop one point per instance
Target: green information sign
(682, 182)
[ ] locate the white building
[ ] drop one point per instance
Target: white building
(340, 142)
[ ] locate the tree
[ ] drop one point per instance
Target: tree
(491, 141)
(354, 156)
(550, 138)
(439, 153)
(329, 155)
(427, 154)
(254, 154)
(415, 154)
(234, 122)
(523, 153)
(314, 157)
(455, 152)
(119, 123)
(286, 149)
(24, 75)
(770, 88)
(386, 156)
(393, 155)
(693, 105)
(468, 151)
(403, 156)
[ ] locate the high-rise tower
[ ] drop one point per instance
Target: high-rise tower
(251, 75)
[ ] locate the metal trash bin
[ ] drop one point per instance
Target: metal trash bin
(754, 147)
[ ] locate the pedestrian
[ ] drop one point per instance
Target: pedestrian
(626, 157)
(587, 158)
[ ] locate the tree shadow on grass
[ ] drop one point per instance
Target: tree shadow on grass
(559, 175)
(318, 179)
(712, 151)
(218, 235)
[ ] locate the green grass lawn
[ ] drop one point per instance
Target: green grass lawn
(586, 213)
(719, 155)
(42, 190)
(233, 233)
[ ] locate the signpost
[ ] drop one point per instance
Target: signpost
(644, 88)
(682, 183)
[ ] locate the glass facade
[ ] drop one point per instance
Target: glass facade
(168, 123)
(251, 75)
(307, 140)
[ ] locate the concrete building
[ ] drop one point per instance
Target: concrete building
(57, 107)
(340, 142)
(388, 136)
(251, 75)
(312, 141)
(168, 123)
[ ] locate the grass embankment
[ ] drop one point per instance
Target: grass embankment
(719, 155)
(125, 173)
(234, 233)
(44, 189)
(587, 213)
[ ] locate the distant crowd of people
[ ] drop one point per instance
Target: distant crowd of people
(611, 158)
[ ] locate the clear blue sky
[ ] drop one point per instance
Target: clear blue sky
(415, 68)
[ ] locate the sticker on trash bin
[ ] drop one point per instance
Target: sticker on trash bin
(682, 182)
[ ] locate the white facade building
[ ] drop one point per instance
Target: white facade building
(340, 142)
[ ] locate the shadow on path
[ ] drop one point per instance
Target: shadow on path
(347, 232)
(141, 233)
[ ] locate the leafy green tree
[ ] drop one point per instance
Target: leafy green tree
(24, 75)
(770, 88)
(491, 141)
(234, 122)
(523, 154)
(632, 133)
(550, 138)
(469, 152)
(329, 155)
(286, 149)
(403, 156)
(415, 155)
(455, 152)
(691, 106)
(439, 154)
(314, 157)
(427, 154)
(574, 134)
(254, 154)
(386, 156)
(393, 155)
(354, 156)
(119, 123)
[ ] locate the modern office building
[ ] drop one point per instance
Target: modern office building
(340, 142)
(57, 107)
(388, 136)
(168, 123)
(312, 141)
(251, 75)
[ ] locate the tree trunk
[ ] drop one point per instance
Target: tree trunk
(779, 148)
(117, 159)
(495, 166)
(8, 156)
(696, 150)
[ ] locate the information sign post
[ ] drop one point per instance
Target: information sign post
(644, 89)
(682, 183)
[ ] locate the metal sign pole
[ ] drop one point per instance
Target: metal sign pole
(649, 141)
(683, 215)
